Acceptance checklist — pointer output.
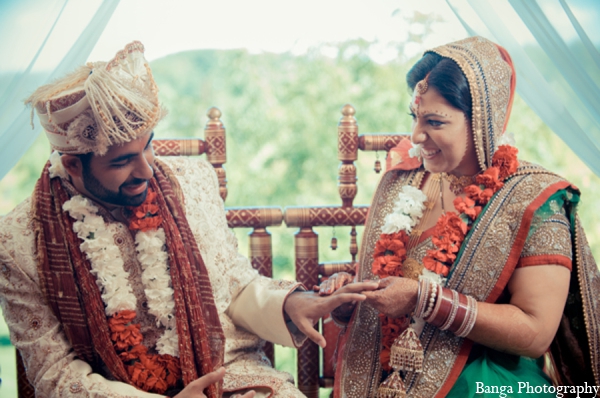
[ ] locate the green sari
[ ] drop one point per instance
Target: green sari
(489, 373)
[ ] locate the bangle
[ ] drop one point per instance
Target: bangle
(470, 318)
(434, 290)
(442, 309)
(461, 313)
(426, 295)
(453, 310)
(422, 292)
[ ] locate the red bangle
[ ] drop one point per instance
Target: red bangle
(443, 308)
(453, 311)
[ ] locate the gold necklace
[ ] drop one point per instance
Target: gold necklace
(458, 184)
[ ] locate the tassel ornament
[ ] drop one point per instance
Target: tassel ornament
(333, 243)
(392, 387)
(407, 352)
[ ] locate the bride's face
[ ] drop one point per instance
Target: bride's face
(445, 135)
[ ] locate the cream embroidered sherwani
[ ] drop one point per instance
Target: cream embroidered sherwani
(250, 306)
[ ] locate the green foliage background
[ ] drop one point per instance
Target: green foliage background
(281, 113)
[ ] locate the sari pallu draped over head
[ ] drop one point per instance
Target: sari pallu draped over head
(75, 299)
(487, 258)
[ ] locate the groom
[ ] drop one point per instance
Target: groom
(119, 276)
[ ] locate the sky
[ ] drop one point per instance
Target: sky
(269, 25)
(177, 25)
(278, 26)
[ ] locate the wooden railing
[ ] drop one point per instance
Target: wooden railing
(309, 270)
(213, 145)
(260, 243)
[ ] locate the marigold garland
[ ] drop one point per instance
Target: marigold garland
(149, 372)
(145, 217)
(452, 228)
(450, 232)
(390, 253)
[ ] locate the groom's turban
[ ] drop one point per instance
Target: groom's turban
(100, 104)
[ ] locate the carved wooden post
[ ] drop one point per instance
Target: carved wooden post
(261, 257)
(347, 154)
(261, 252)
(214, 135)
(307, 262)
(353, 244)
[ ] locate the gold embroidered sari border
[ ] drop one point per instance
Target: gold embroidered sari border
(359, 365)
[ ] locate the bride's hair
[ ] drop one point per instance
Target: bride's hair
(445, 77)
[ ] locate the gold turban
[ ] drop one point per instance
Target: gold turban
(100, 104)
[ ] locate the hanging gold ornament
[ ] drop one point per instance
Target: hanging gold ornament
(392, 387)
(406, 354)
(377, 167)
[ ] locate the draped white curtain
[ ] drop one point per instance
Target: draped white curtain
(41, 40)
(555, 52)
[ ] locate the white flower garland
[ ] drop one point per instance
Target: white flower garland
(112, 279)
(408, 210)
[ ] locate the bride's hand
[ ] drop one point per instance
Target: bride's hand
(335, 282)
(395, 296)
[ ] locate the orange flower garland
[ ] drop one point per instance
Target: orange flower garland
(389, 254)
(149, 372)
(145, 217)
(452, 228)
(450, 231)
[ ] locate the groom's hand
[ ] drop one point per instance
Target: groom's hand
(306, 308)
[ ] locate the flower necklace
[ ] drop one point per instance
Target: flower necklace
(452, 228)
(150, 372)
(390, 253)
(450, 231)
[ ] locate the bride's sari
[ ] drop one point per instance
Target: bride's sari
(486, 262)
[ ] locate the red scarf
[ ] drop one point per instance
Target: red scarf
(76, 301)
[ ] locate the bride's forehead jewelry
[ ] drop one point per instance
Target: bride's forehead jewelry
(420, 89)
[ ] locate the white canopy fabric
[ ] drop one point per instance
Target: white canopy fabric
(553, 45)
(48, 57)
(556, 58)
